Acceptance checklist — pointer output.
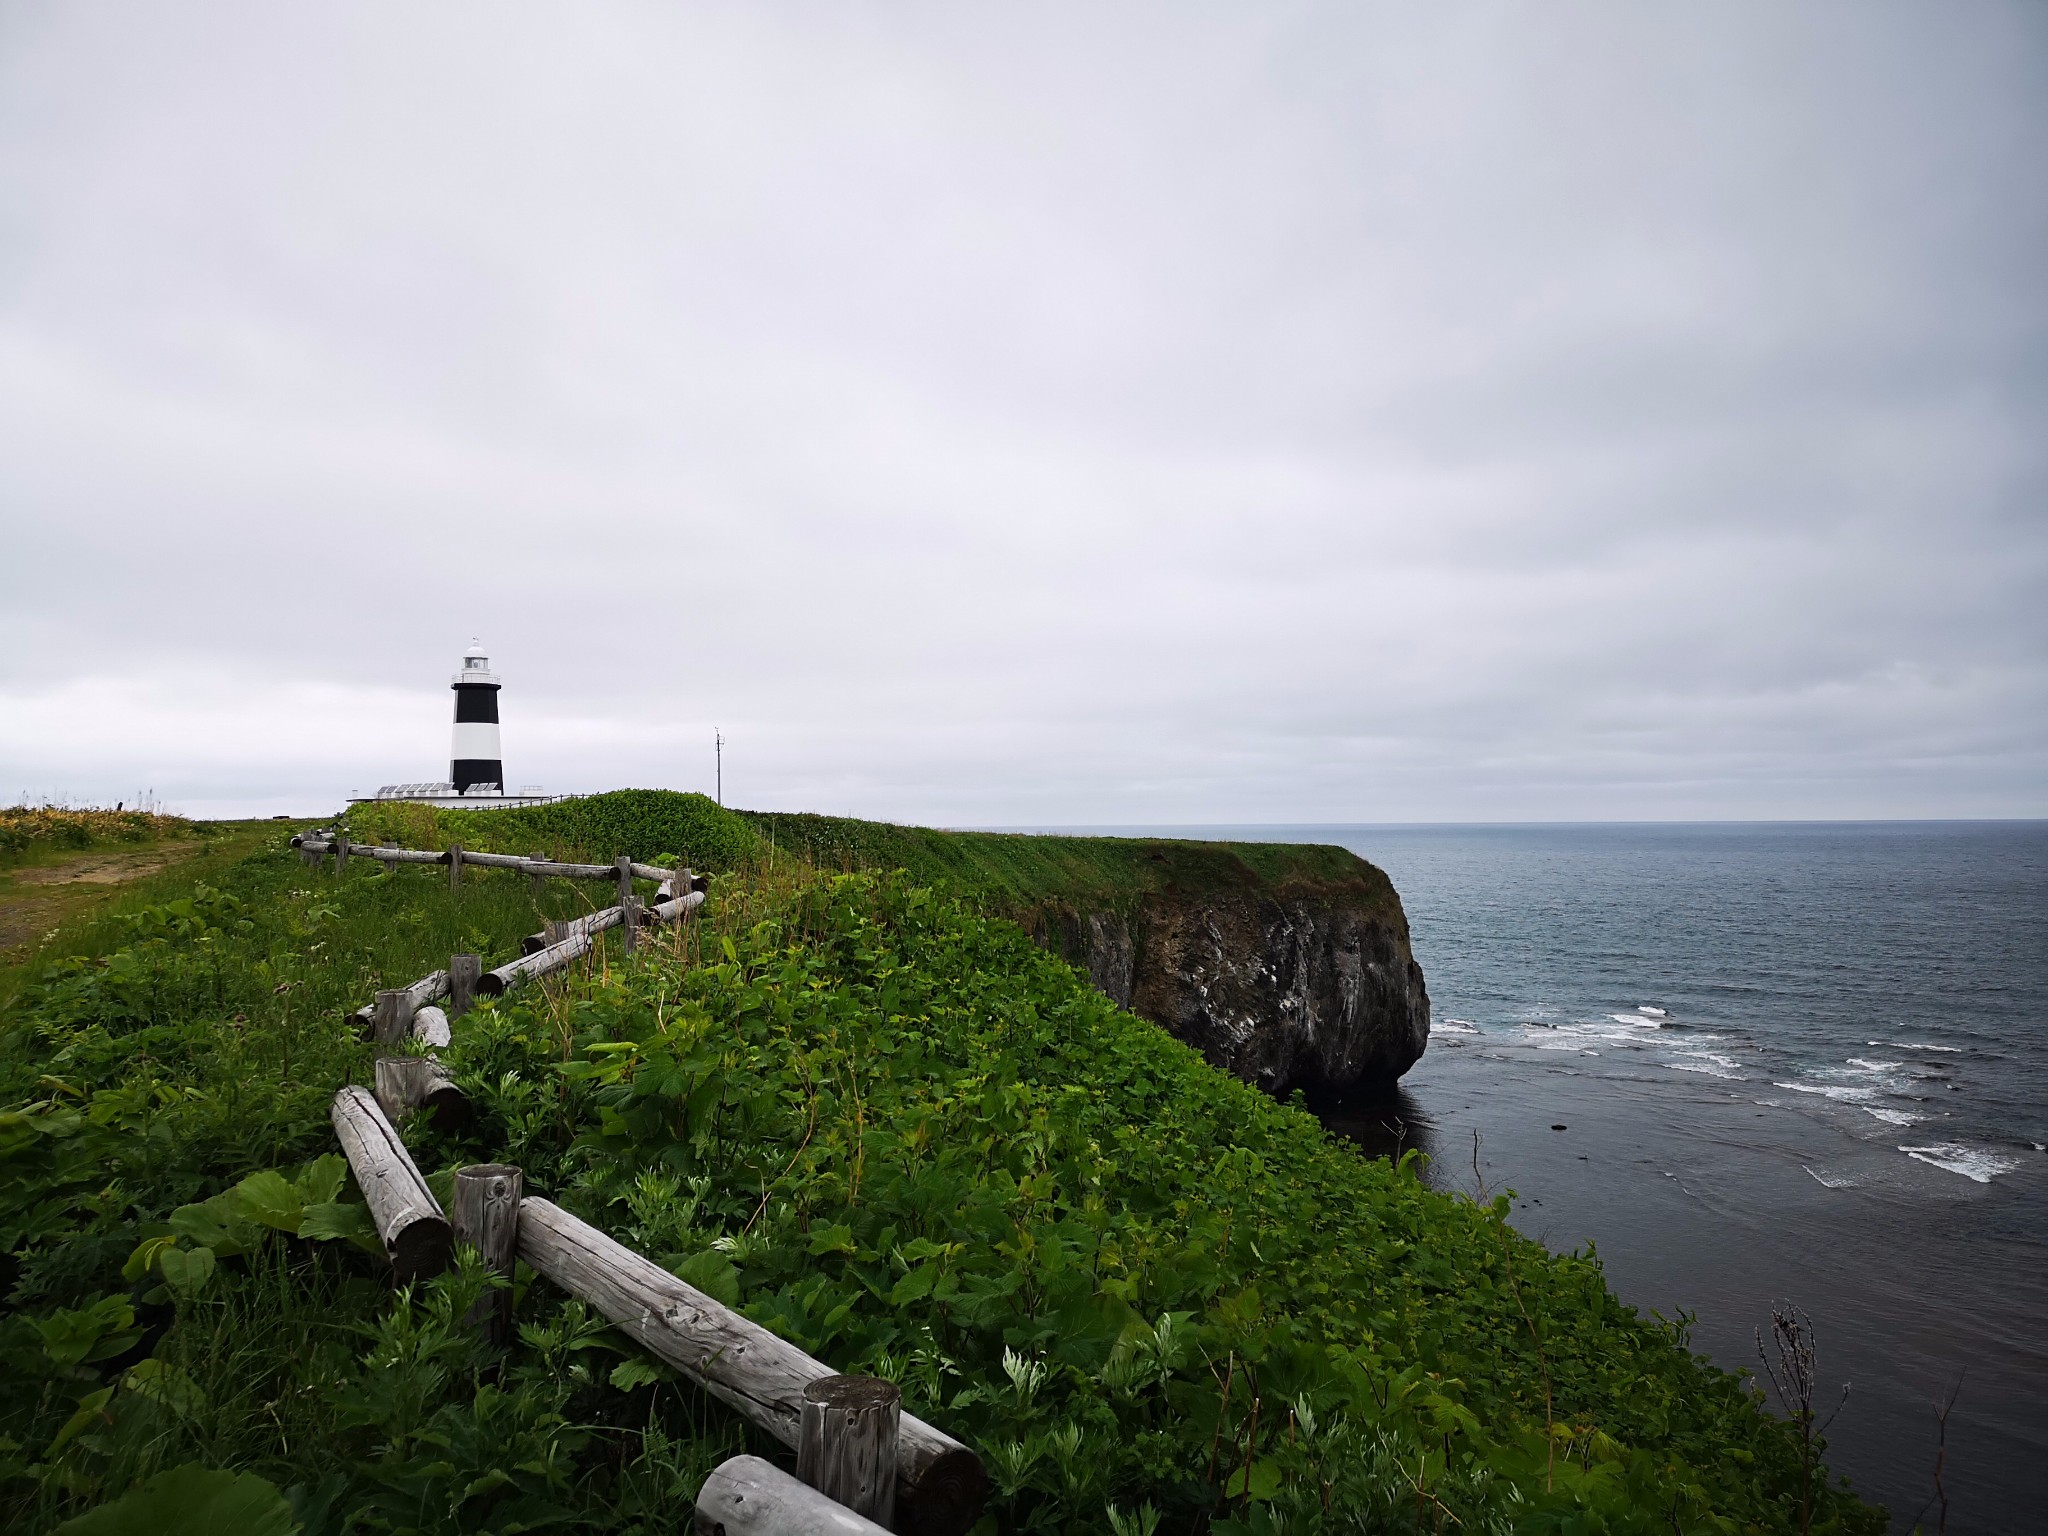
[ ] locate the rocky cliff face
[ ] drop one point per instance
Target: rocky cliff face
(1285, 989)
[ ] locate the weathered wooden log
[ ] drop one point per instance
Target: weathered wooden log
(384, 852)
(539, 866)
(846, 1443)
(406, 1084)
(426, 990)
(497, 983)
(487, 1219)
(416, 1235)
(430, 1027)
(463, 971)
(455, 866)
(940, 1483)
(747, 1496)
(534, 865)
(669, 911)
(391, 1020)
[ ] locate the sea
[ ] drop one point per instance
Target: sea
(1754, 1067)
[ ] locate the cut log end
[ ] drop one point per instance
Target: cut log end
(947, 1497)
(421, 1248)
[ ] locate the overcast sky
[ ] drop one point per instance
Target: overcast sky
(1033, 413)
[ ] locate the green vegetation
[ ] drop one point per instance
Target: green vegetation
(29, 830)
(876, 1118)
(1015, 874)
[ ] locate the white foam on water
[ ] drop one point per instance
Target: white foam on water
(1862, 1065)
(1977, 1163)
(1712, 1068)
(1831, 1091)
(1915, 1045)
(1838, 1181)
(1456, 1026)
(1635, 1021)
(1655, 1013)
(1894, 1116)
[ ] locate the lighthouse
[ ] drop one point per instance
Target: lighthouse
(476, 761)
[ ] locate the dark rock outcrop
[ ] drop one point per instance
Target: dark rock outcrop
(1306, 988)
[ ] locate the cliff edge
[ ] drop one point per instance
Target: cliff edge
(1285, 964)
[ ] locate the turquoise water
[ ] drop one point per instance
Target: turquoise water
(1803, 1062)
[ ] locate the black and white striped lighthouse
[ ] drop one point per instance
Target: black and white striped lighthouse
(476, 761)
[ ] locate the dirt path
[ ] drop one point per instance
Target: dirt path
(34, 901)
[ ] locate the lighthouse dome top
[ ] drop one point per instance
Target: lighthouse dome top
(476, 669)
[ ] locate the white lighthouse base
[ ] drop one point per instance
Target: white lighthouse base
(479, 797)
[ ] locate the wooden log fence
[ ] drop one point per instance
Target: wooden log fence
(314, 844)
(940, 1483)
(864, 1466)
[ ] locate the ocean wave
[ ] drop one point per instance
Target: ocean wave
(1894, 1116)
(1831, 1091)
(1635, 1021)
(1724, 1070)
(1874, 1066)
(1825, 1181)
(1977, 1163)
(1456, 1026)
(1916, 1045)
(1655, 1013)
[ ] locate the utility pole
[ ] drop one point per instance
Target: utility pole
(719, 737)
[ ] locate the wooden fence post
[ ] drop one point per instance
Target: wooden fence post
(392, 1020)
(463, 971)
(747, 1496)
(624, 864)
(540, 881)
(409, 1083)
(846, 1443)
(415, 1233)
(487, 1219)
(455, 866)
(341, 853)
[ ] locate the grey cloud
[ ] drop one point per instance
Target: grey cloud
(1125, 413)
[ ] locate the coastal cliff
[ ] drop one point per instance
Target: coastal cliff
(1283, 988)
(1284, 964)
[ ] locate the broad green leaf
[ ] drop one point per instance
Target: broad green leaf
(1264, 1478)
(166, 1384)
(143, 1259)
(713, 1274)
(837, 1238)
(191, 1501)
(90, 1407)
(322, 1180)
(71, 1336)
(915, 1286)
(344, 1219)
(185, 1269)
(268, 1198)
(628, 1374)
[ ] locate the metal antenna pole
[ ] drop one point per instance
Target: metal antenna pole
(719, 736)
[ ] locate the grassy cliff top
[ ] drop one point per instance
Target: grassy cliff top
(1006, 871)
